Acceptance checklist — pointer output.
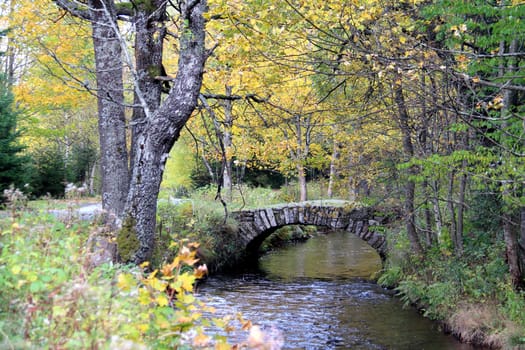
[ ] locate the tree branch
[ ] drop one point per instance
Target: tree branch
(75, 8)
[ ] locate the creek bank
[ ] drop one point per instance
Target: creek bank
(470, 296)
(471, 324)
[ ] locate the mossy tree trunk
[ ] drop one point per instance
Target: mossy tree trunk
(162, 129)
(155, 126)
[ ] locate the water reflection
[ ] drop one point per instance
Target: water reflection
(316, 295)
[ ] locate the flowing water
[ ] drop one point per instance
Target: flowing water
(316, 295)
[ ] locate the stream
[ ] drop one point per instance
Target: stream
(317, 295)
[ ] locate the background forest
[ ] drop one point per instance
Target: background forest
(414, 106)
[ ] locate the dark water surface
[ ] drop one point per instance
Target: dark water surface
(316, 294)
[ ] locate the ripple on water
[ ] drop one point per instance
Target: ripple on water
(292, 293)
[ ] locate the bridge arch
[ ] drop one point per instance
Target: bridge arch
(255, 225)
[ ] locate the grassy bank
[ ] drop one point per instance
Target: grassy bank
(471, 294)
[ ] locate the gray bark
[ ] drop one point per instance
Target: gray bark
(336, 155)
(512, 251)
(227, 182)
(438, 220)
(155, 128)
(461, 208)
(410, 186)
(163, 129)
(149, 36)
(451, 208)
(301, 153)
(111, 121)
(429, 234)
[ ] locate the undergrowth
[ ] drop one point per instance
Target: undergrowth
(472, 294)
(53, 298)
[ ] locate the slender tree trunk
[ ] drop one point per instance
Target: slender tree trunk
(111, 122)
(461, 208)
(410, 186)
(208, 167)
(336, 155)
(451, 208)
(301, 178)
(159, 135)
(521, 242)
(92, 175)
(227, 183)
(438, 218)
(515, 257)
(429, 234)
(300, 157)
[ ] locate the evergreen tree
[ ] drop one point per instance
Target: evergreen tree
(11, 161)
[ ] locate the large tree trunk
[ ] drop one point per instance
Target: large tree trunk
(137, 237)
(410, 186)
(149, 37)
(111, 122)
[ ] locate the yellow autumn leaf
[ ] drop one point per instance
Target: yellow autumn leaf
(157, 284)
(187, 281)
(186, 298)
(125, 281)
(162, 300)
(144, 297)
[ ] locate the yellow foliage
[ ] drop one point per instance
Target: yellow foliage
(125, 281)
(41, 34)
(162, 300)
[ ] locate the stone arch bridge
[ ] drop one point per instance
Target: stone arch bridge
(255, 225)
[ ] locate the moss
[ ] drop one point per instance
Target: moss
(147, 5)
(155, 71)
(127, 241)
(124, 6)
